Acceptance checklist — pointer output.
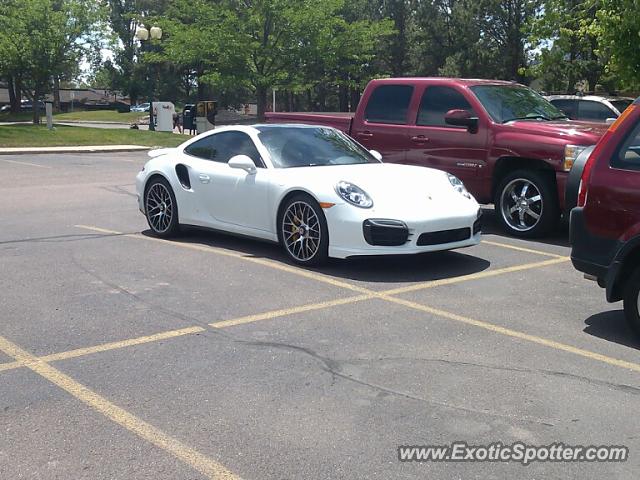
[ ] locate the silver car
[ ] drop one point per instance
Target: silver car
(590, 108)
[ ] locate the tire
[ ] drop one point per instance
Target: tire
(530, 212)
(161, 208)
(573, 180)
(303, 232)
(632, 302)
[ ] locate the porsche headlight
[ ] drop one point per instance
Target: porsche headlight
(353, 194)
(571, 154)
(457, 184)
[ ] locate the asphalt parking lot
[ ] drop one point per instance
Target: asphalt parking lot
(123, 356)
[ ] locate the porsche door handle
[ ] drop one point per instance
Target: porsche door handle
(204, 178)
(365, 134)
(419, 139)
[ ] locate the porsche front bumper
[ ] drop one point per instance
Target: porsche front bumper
(350, 232)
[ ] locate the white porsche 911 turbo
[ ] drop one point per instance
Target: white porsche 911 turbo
(312, 189)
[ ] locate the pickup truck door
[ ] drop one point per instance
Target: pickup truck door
(432, 143)
(383, 124)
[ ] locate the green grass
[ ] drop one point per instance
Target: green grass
(80, 116)
(39, 136)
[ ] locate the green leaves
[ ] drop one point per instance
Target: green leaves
(618, 32)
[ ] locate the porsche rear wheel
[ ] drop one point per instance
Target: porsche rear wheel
(303, 231)
(161, 208)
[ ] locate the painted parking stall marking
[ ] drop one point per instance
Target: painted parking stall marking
(139, 427)
(414, 305)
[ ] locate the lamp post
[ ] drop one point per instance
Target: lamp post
(142, 34)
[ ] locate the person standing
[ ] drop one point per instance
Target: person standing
(177, 122)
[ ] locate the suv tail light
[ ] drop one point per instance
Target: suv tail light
(588, 166)
(584, 179)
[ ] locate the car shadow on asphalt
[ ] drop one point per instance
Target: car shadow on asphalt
(558, 237)
(612, 326)
(388, 269)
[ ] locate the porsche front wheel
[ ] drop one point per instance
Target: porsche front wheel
(161, 208)
(302, 229)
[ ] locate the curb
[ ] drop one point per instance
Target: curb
(76, 149)
(89, 122)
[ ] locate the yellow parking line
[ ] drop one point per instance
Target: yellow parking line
(474, 276)
(387, 295)
(80, 352)
(260, 261)
(142, 429)
(522, 249)
(9, 366)
(289, 311)
(516, 334)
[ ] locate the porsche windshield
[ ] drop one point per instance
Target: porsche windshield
(311, 146)
(507, 103)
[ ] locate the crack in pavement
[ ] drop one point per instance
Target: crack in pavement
(62, 238)
(591, 381)
(332, 366)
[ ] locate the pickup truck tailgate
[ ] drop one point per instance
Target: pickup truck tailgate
(339, 120)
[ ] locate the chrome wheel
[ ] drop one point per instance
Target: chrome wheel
(521, 204)
(301, 231)
(159, 207)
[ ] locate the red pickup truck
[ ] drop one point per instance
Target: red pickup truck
(508, 145)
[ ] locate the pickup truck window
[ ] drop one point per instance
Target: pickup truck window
(436, 102)
(389, 104)
(505, 103)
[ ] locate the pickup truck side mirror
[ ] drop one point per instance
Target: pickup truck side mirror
(462, 118)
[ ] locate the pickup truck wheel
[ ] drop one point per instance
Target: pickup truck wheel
(527, 204)
(632, 301)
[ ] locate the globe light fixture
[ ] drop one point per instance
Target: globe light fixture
(156, 33)
(142, 33)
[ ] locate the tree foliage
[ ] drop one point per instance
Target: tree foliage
(618, 32)
(318, 54)
(43, 39)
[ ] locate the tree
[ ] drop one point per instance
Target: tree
(39, 39)
(125, 16)
(569, 45)
(617, 30)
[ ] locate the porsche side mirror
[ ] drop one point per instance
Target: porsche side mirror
(462, 118)
(376, 154)
(243, 162)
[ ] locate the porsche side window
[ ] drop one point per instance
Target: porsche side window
(436, 102)
(389, 104)
(241, 144)
(202, 148)
(220, 147)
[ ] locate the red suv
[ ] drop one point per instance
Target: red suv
(605, 225)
